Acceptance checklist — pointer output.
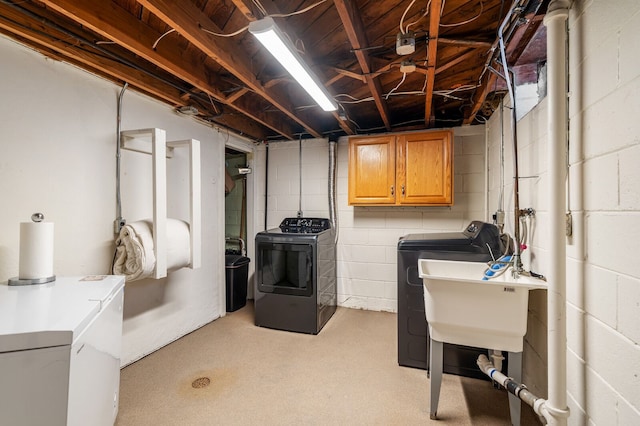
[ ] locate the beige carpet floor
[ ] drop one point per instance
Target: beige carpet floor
(346, 375)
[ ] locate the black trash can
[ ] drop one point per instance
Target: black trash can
(237, 272)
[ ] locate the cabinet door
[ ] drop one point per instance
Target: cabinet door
(372, 170)
(425, 169)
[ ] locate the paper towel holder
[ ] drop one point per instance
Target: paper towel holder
(36, 217)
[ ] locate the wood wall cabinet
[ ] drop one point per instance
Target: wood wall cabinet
(413, 169)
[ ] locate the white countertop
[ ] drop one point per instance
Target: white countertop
(52, 314)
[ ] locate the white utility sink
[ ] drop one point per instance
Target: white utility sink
(464, 309)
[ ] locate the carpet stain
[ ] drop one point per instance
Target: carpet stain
(207, 384)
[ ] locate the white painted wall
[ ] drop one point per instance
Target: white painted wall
(603, 273)
(58, 139)
(368, 236)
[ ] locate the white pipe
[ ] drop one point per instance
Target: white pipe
(496, 358)
(539, 405)
(555, 21)
(333, 213)
(487, 212)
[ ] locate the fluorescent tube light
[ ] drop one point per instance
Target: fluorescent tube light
(266, 31)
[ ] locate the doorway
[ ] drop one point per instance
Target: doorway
(235, 205)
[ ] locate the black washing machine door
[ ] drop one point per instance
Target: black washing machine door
(285, 268)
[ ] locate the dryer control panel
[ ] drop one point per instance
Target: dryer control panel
(304, 225)
(482, 233)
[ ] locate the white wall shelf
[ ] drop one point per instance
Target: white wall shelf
(153, 141)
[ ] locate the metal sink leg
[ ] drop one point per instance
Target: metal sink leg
(435, 367)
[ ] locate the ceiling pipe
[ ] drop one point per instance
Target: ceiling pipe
(557, 122)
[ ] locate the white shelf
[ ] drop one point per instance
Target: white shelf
(153, 141)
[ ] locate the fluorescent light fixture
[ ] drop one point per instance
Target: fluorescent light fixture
(266, 31)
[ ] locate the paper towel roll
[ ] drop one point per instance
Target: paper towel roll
(36, 250)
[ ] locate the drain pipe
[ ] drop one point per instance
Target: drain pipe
(556, 23)
(333, 216)
(300, 176)
(539, 405)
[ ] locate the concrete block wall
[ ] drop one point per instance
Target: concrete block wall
(368, 236)
(604, 307)
(603, 273)
(532, 140)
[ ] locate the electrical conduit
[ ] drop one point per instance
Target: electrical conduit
(517, 264)
(119, 220)
(555, 21)
(333, 215)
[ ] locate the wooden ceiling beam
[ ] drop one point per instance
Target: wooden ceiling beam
(432, 50)
(273, 9)
(334, 79)
(186, 18)
(115, 23)
(49, 44)
(237, 94)
(354, 27)
(456, 61)
(514, 48)
(465, 43)
(246, 9)
(16, 23)
(350, 74)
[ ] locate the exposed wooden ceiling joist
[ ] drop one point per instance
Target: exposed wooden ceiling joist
(160, 48)
(432, 50)
(522, 35)
(116, 24)
(187, 19)
(355, 32)
(272, 9)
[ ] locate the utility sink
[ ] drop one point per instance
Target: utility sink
(464, 309)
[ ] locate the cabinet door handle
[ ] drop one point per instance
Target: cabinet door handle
(392, 192)
(402, 188)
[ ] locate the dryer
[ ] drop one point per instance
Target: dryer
(296, 275)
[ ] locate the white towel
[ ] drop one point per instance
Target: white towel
(178, 244)
(134, 251)
(135, 258)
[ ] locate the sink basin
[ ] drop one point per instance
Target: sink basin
(464, 309)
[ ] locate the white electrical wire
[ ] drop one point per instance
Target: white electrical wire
(468, 20)
(404, 76)
(263, 10)
(260, 7)
(306, 9)
(426, 12)
(223, 35)
(161, 37)
(402, 30)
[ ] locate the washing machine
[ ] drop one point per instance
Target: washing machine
(295, 286)
(478, 242)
